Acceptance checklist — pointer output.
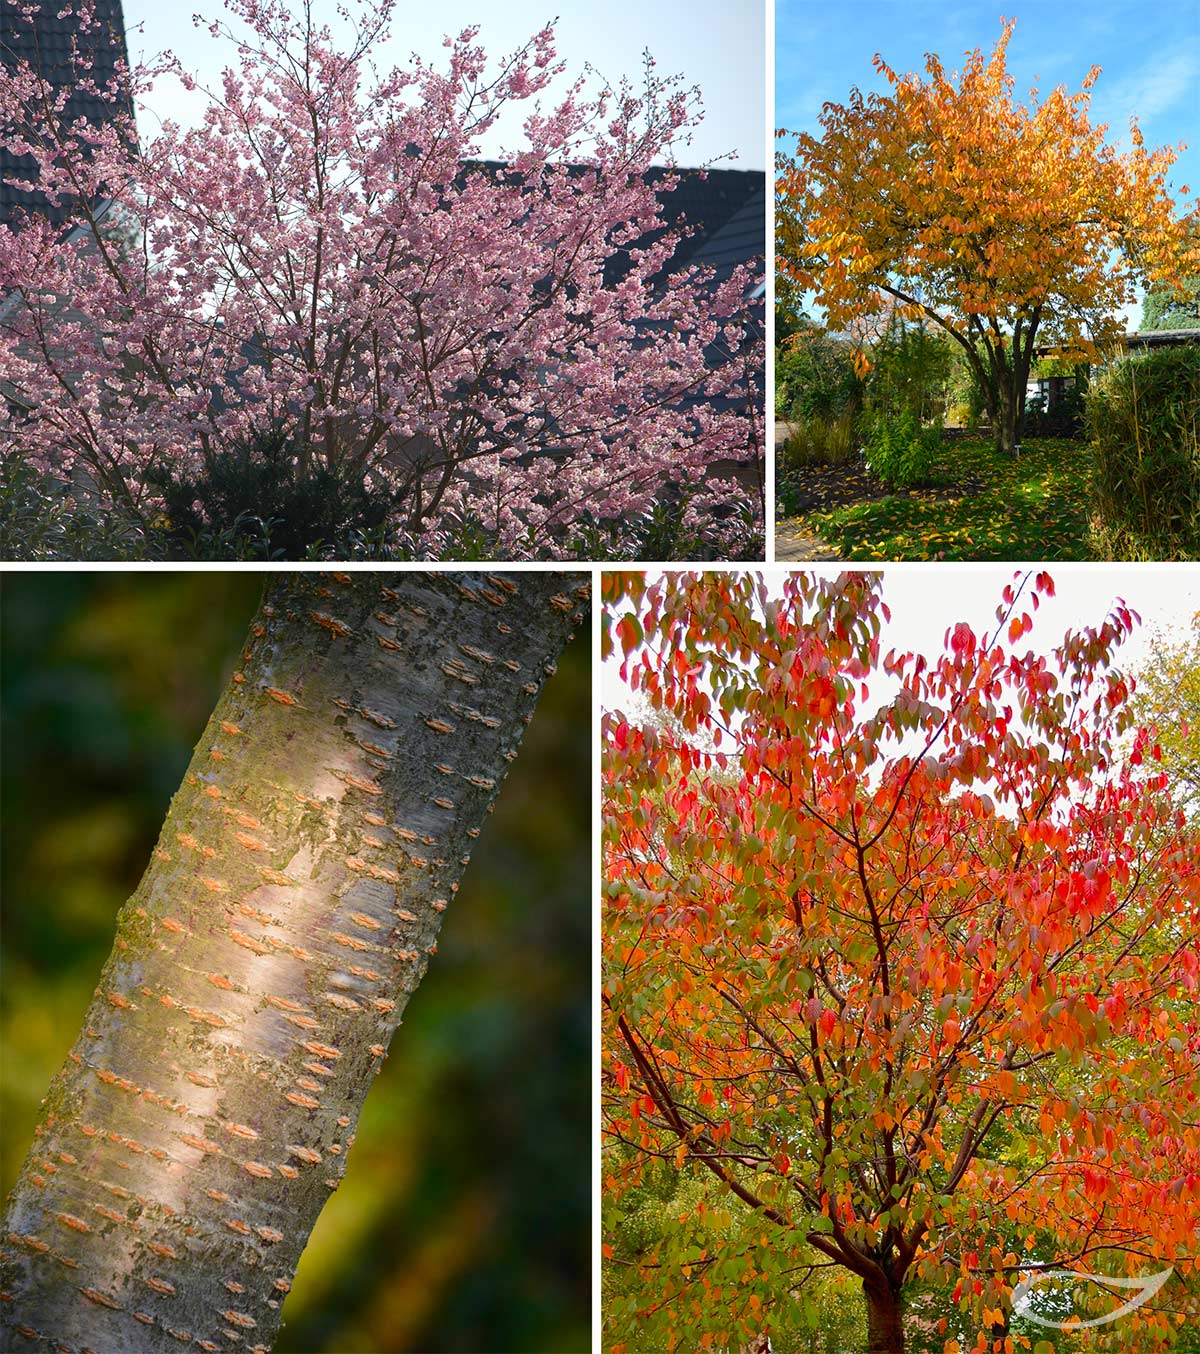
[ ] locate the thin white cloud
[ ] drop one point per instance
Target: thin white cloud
(1159, 83)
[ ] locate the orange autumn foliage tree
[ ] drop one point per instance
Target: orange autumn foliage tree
(902, 951)
(1007, 225)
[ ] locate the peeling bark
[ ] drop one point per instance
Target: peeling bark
(204, 1114)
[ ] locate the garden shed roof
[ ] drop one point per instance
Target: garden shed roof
(1162, 338)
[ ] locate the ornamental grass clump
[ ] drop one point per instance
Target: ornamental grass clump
(819, 441)
(1143, 415)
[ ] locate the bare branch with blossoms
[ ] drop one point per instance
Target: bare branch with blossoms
(326, 252)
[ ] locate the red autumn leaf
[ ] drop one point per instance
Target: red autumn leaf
(629, 632)
(905, 928)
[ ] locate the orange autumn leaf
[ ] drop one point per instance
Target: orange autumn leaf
(1012, 226)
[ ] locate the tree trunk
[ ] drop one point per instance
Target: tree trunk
(991, 378)
(885, 1323)
(204, 1114)
(1006, 418)
(1009, 414)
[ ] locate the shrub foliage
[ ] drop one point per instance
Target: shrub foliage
(900, 451)
(1142, 416)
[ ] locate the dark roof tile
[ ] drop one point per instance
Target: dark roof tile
(739, 240)
(48, 43)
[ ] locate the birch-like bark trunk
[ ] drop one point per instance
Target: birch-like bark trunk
(294, 898)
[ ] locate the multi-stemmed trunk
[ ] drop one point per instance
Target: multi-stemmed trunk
(206, 1110)
(1000, 363)
(1005, 379)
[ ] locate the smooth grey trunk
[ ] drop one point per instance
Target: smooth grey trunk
(205, 1112)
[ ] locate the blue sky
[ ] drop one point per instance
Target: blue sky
(1149, 52)
(717, 44)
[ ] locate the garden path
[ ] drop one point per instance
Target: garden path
(794, 541)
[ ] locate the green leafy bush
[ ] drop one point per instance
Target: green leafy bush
(900, 451)
(1143, 416)
(40, 519)
(666, 531)
(263, 491)
(815, 377)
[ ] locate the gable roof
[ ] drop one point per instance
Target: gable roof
(48, 42)
(741, 238)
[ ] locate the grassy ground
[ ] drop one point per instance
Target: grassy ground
(982, 506)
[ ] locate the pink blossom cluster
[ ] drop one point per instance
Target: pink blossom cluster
(327, 251)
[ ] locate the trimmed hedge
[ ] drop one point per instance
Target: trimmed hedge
(1143, 417)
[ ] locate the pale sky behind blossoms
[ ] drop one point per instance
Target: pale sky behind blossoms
(716, 44)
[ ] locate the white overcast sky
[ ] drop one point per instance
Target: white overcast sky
(716, 44)
(926, 600)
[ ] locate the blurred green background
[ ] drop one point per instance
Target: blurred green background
(463, 1222)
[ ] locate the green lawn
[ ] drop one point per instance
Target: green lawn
(984, 507)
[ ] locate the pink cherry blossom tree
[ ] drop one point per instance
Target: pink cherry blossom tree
(500, 346)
